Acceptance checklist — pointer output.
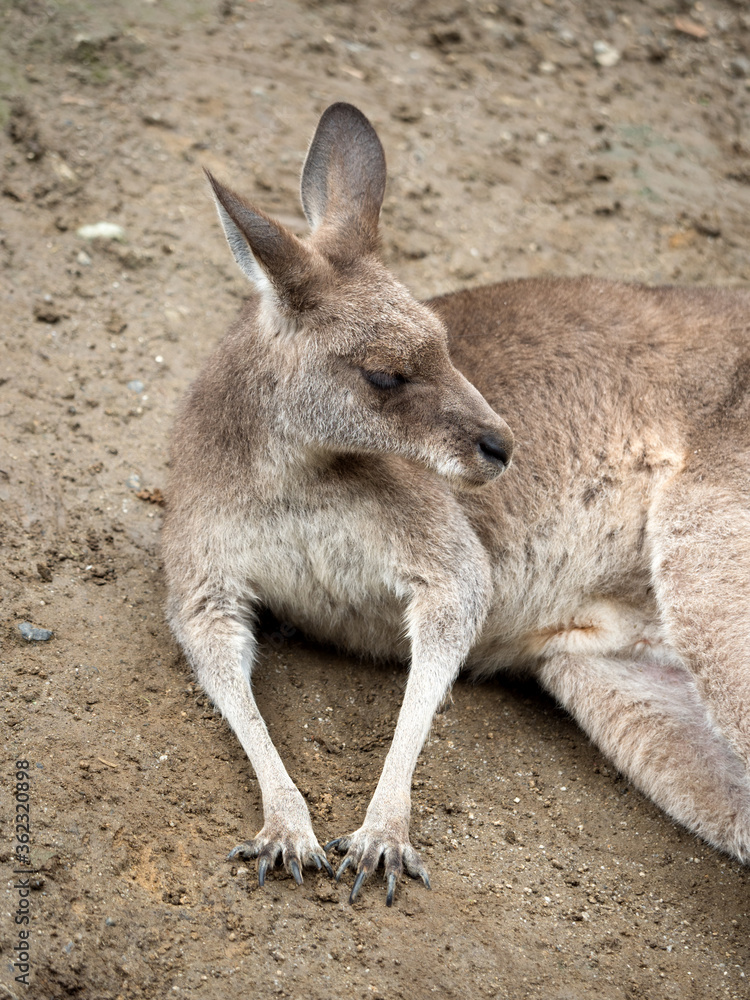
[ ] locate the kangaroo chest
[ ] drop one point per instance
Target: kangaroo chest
(327, 572)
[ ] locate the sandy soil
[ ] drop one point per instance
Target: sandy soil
(512, 152)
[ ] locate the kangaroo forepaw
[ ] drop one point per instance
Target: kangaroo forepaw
(294, 853)
(365, 849)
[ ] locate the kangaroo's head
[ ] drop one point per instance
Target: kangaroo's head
(359, 365)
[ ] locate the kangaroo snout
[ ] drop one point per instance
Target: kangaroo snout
(496, 451)
(479, 454)
(488, 455)
(483, 441)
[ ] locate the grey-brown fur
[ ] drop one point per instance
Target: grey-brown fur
(611, 561)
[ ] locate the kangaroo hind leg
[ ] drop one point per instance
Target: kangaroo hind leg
(651, 722)
(700, 536)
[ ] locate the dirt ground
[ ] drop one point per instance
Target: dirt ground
(512, 152)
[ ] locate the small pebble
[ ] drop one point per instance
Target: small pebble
(136, 385)
(606, 55)
(326, 893)
(32, 634)
(46, 312)
(83, 259)
(156, 118)
(101, 230)
(740, 66)
(133, 482)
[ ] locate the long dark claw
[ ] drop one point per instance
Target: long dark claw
(358, 884)
(263, 866)
(343, 866)
(296, 873)
(324, 862)
(243, 851)
(391, 889)
(415, 868)
(332, 843)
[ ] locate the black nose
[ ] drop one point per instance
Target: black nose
(494, 450)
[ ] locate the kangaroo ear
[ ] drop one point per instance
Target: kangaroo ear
(267, 253)
(343, 180)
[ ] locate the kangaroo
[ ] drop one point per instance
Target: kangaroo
(341, 460)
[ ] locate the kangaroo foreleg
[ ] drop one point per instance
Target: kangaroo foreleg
(441, 638)
(221, 649)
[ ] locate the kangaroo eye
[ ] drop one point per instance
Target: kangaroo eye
(384, 380)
